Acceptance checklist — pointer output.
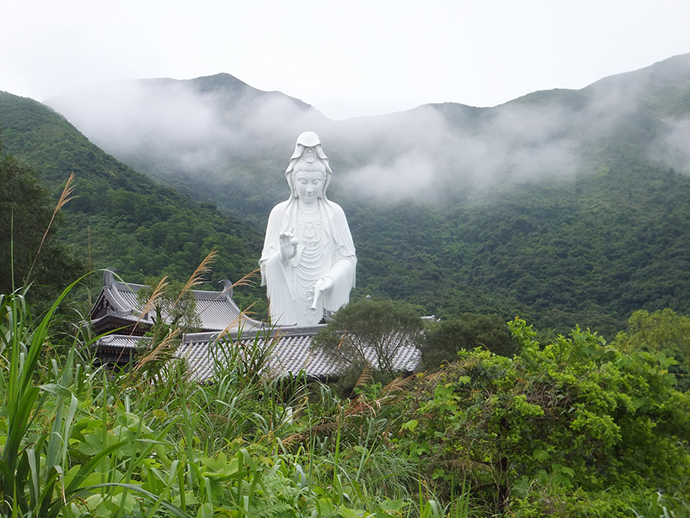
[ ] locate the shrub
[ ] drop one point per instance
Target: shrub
(380, 326)
(573, 415)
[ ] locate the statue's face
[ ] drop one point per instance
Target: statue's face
(309, 186)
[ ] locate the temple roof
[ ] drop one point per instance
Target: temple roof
(291, 352)
(226, 331)
(116, 307)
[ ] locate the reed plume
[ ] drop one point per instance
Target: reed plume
(64, 198)
(197, 276)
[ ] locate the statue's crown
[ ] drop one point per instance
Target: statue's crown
(308, 139)
(308, 155)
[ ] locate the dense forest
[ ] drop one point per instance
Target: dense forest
(586, 252)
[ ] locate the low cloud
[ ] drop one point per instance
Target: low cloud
(422, 152)
(171, 126)
(221, 131)
(407, 175)
(673, 149)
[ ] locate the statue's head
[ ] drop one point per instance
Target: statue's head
(308, 157)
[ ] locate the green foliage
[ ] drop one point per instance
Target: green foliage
(442, 340)
(77, 441)
(612, 503)
(26, 210)
(31, 465)
(576, 414)
(662, 331)
(573, 429)
(380, 326)
(245, 361)
(662, 505)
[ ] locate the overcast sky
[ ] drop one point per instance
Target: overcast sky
(345, 58)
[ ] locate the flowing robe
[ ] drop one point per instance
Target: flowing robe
(325, 250)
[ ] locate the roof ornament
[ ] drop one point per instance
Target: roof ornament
(227, 287)
(109, 276)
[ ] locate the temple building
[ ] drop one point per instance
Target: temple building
(117, 315)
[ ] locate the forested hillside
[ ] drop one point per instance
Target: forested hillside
(565, 207)
(587, 252)
(121, 218)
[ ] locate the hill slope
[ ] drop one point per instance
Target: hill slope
(119, 217)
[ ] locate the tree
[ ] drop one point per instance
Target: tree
(662, 331)
(26, 210)
(442, 340)
(370, 330)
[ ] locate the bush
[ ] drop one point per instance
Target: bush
(575, 415)
(664, 331)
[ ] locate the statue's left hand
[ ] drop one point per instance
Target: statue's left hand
(320, 287)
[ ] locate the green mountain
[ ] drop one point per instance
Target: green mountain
(572, 207)
(564, 207)
(121, 218)
(222, 141)
(192, 133)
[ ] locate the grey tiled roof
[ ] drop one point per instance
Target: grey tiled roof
(117, 308)
(292, 352)
(120, 341)
(216, 309)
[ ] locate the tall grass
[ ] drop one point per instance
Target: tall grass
(77, 440)
(65, 197)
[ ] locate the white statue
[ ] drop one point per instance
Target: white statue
(308, 261)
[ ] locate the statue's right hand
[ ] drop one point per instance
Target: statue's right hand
(288, 246)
